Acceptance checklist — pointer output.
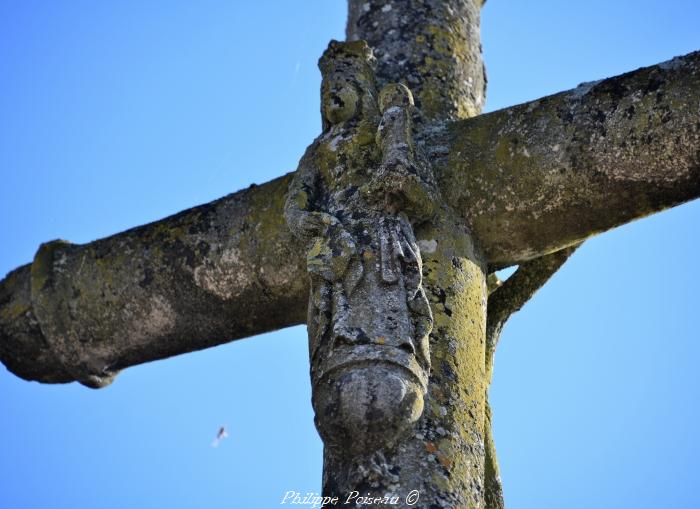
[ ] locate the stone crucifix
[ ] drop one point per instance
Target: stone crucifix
(384, 241)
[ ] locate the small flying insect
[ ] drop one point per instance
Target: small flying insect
(220, 436)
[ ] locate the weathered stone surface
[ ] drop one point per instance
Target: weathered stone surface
(205, 276)
(534, 178)
(23, 348)
(431, 46)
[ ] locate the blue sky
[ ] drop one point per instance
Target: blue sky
(113, 114)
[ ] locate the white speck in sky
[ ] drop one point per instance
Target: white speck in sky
(297, 66)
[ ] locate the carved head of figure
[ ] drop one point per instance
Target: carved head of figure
(348, 89)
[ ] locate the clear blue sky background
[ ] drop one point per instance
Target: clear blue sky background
(113, 114)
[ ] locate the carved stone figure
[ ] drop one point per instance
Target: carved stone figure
(358, 191)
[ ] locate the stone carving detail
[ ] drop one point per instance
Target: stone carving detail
(358, 191)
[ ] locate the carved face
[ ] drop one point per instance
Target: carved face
(348, 88)
(340, 100)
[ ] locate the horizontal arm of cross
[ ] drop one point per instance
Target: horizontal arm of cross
(540, 176)
(529, 180)
(211, 274)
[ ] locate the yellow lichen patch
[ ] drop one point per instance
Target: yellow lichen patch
(42, 267)
(267, 215)
(302, 200)
(325, 159)
(444, 42)
(503, 152)
(430, 99)
(319, 248)
(442, 482)
(454, 278)
(13, 311)
(366, 133)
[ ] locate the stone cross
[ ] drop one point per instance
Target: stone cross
(384, 241)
